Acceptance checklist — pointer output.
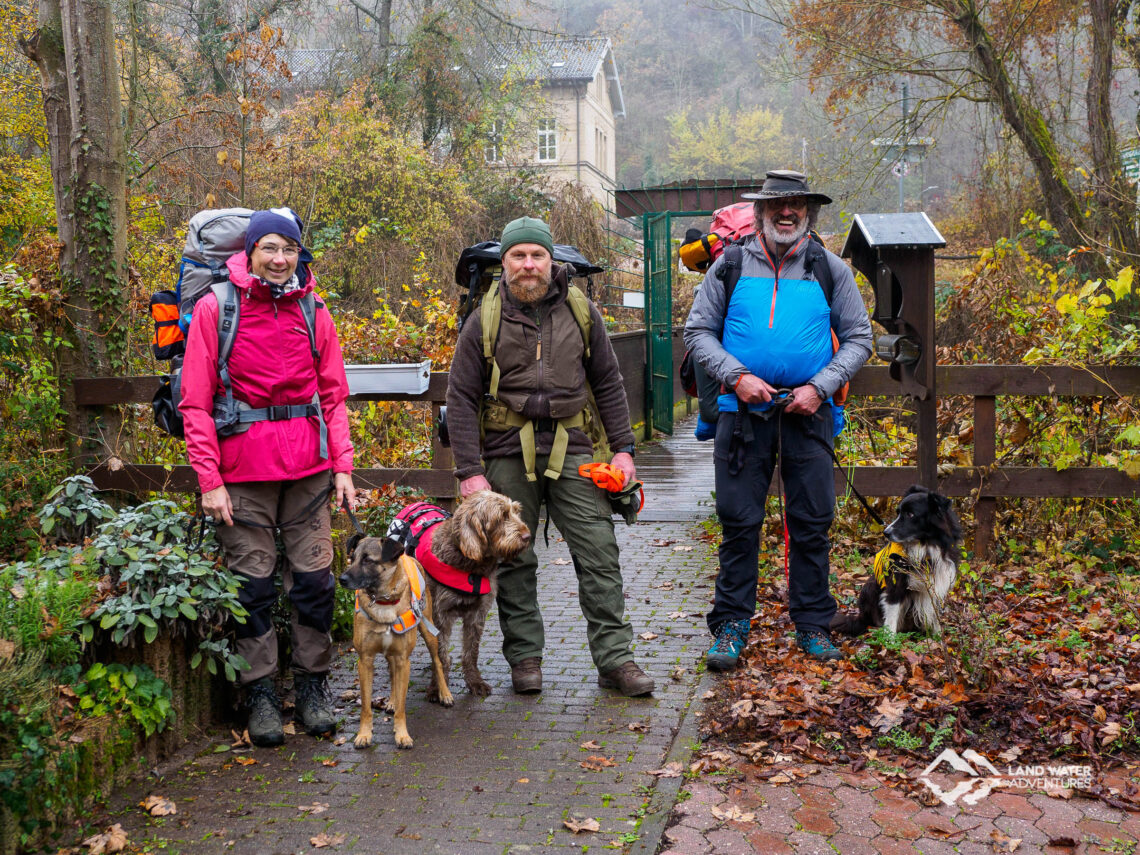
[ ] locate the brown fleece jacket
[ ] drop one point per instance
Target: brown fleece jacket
(469, 380)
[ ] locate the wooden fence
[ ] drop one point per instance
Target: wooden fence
(984, 481)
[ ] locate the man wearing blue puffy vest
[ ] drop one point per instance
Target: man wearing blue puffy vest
(771, 349)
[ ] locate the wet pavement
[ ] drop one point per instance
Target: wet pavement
(511, 773)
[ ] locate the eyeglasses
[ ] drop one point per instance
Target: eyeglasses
(271, 249)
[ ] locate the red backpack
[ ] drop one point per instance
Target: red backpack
(730, 224)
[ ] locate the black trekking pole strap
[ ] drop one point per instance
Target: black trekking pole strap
(352, 517)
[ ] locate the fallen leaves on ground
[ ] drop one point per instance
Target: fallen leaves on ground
(647, 636)
(596, 763)
(561, 562)
(114, 839)
(1002, 842)
(669, 770)
(591, 745)
(1036, 674)
(324, 839)
(158, 806)
(638, 726)
(315, 808)
(579, 825)
(733, 813)
(240, 740)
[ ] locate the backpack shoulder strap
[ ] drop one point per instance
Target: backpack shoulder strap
(729, 270)
(229, 313)
(820, 267)
(490, 314)
(308, 305)
(580, 306)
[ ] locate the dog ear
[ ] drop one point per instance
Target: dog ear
(473, 538)
(390, 550)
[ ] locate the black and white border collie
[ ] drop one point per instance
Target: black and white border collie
(928, 536)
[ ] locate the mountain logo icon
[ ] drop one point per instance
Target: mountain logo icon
(969, 762)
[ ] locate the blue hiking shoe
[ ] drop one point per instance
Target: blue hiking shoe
(731, 636)
(818, 645)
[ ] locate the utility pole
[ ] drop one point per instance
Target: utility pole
(902, 154)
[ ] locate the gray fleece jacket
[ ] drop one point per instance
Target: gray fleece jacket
(848, 318)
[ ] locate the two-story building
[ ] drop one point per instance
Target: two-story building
(575, 127)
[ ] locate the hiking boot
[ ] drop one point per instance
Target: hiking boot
(526, 676)
(313, 708)
(818, 645)
(731, 636)
(628, 679)
(265, 726)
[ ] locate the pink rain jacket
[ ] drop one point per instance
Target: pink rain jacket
(271, 364)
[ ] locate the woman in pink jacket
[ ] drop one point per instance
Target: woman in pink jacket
(277, 473)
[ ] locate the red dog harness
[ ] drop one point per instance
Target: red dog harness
(413, 528)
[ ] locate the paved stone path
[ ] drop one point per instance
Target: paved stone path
(503, 774)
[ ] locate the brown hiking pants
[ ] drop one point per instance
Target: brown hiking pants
(251, 553)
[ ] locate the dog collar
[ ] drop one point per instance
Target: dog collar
(409, 619)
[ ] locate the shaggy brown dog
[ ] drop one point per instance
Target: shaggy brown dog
(485, 530)
(383, 603)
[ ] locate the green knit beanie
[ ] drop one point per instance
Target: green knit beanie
(526, 230)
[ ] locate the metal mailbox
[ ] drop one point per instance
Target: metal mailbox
(896, 254)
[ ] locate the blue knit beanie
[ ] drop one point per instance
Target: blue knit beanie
(276, 221)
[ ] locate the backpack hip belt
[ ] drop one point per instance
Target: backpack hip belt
(498, 417)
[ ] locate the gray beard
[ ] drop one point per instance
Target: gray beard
(530, 294)
(775, 240)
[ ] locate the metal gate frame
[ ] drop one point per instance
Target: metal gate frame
(657, 230)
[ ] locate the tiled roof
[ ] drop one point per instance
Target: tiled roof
(566, 60)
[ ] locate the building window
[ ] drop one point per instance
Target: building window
(547, 141)
(493, 149)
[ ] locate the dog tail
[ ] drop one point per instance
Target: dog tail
(849, 623)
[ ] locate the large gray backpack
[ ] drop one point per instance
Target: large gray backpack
(213, 236)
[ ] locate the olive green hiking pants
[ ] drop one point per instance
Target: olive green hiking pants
(582, 512)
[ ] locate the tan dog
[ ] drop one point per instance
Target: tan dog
(385, 622)
(485, 531)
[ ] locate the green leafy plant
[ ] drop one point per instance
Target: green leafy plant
(73, 509)
(162, 583)
(136, 691)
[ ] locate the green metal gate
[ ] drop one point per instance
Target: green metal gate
(658, 208)
(659, 321)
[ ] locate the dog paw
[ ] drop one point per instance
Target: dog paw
(363, 739)
(479, 688)
(404, 741)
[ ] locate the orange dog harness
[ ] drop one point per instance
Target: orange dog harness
(408, 619)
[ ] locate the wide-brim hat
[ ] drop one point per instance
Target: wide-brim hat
(782, 183)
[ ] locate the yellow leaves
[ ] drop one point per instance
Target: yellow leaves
(1121, 286)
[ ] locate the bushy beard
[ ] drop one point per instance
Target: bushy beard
(530, 292)
(775, 239)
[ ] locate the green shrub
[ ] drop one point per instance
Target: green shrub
(136, 691)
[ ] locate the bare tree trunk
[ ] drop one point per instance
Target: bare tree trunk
(1116, 205)
(1061, 204)
(385, 37)
(74, 49)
